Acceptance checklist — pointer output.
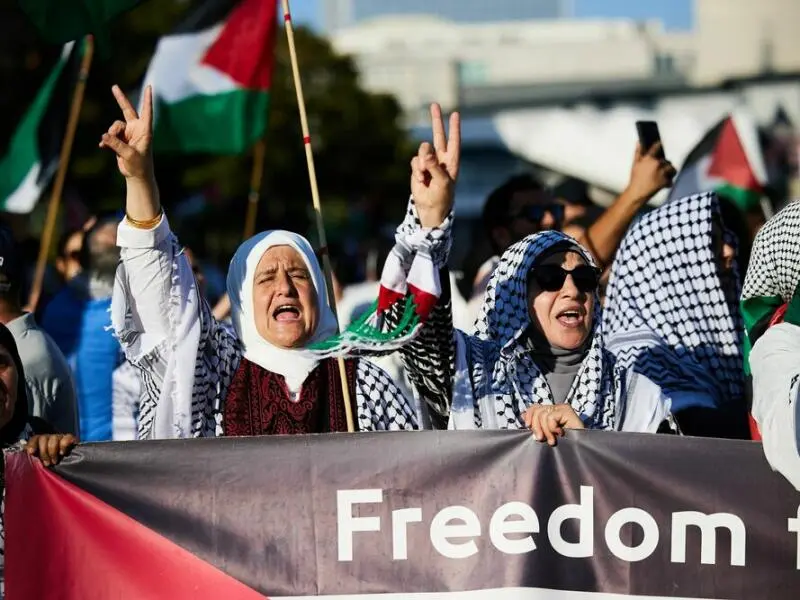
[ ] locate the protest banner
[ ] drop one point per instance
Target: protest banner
(430, 514)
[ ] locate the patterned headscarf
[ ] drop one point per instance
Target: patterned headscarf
(666, 313)
(499, 364)
(773, 272)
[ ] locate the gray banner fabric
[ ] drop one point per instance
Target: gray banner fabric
(450, 511)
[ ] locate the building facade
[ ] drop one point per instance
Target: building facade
(340, 14)
(483, 63)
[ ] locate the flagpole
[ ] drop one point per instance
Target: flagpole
(58, 183)
(256, 175)
(312, 176)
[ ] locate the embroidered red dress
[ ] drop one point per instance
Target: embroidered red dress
(259, 401)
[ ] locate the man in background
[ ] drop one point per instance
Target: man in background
(48, 380)
(79, 320)
(524, 205)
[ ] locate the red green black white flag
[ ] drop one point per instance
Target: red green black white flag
(211, 78)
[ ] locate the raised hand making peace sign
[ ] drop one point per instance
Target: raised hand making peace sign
(435, 168)
(130, 139)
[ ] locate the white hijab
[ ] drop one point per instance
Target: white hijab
(294, 364)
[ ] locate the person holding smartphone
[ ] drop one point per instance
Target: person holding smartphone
(523, 205)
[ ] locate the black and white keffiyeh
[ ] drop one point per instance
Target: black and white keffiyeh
(496, 377)
(185, 378)
(667, 315)
(774, 270)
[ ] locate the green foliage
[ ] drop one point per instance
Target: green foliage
(361, 151)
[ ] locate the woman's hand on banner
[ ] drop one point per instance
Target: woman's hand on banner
(50, 448)
(548, 422)
(434, 170)
(131, 139)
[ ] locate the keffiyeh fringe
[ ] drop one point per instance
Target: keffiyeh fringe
(410, 288)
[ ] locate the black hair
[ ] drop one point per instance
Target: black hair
(733, 219)
(495, 210)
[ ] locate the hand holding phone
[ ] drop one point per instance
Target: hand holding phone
(649, 136)
(651, 171)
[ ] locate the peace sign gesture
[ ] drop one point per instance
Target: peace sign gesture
(434, 170)
(130, 139)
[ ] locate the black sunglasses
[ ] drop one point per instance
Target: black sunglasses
(536, 212)
(551, 278)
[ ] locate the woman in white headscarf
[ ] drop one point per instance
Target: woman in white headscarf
(198, 379)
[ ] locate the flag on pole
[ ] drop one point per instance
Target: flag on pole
(61, 21)
(211, 78)
(728, 160)
(33, 153)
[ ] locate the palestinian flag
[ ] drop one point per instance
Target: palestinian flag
(61, 21)
(32, 155)
(428, 515)
(211, 78)
(727, 160)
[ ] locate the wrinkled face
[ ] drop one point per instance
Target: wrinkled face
(8, 387)
(564, 316)
(284, 298)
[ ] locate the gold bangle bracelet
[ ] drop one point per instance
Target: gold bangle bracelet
(146, 224)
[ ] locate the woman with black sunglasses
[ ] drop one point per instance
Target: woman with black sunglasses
(537, 359)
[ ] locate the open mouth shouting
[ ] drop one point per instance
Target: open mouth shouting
(286, 313)
(571, 317)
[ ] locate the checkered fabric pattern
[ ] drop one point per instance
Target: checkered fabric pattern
(381, 404)
(502, 367)
(774, 268)
(489, 380)
(667, 315)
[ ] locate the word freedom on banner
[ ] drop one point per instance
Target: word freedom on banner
(454, 528)
(467, 515)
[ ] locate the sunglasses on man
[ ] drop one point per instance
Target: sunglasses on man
(551, 278)
(536, 212)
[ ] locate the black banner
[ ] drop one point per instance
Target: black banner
(427, 512)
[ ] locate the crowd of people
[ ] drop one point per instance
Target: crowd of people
(621, 319)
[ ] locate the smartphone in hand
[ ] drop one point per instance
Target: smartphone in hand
(649, 136)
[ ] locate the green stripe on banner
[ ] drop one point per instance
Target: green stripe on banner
(227, 123)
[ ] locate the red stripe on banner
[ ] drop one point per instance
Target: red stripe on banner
(101, 553)
(425, 301)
